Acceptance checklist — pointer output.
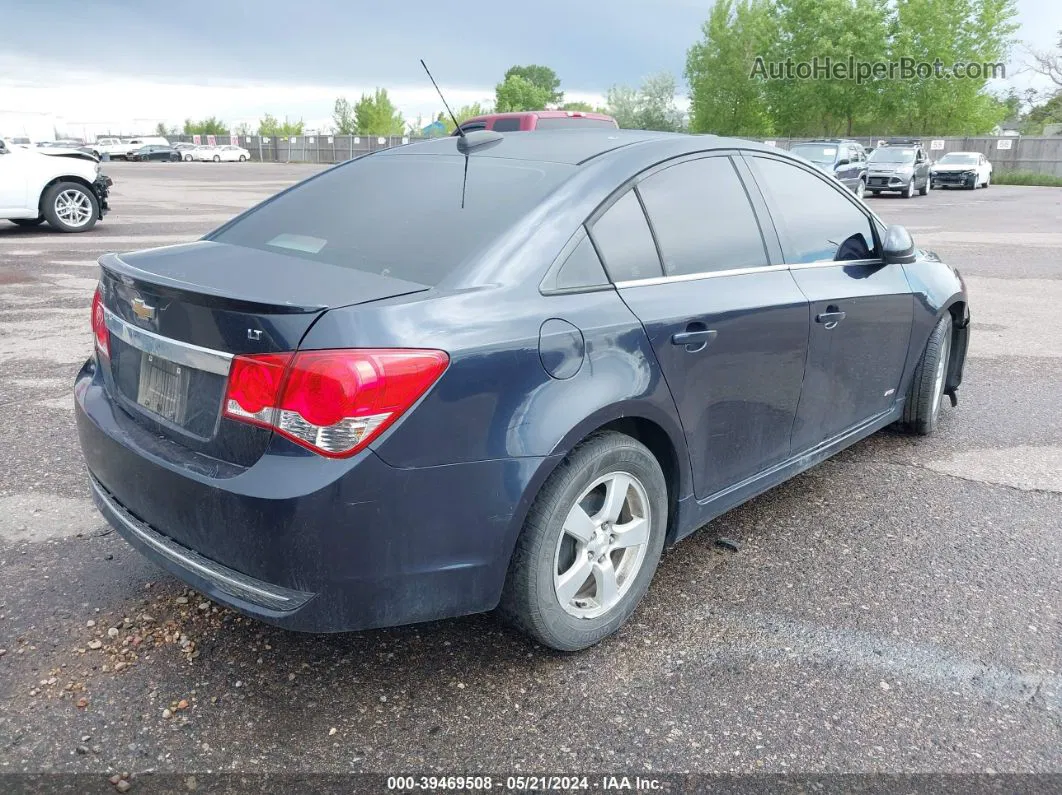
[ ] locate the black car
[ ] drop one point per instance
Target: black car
(838, 157)
(156, 152)
(362, 404)
(901, 166)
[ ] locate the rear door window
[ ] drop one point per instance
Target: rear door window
(624, 241)
(508, 124)
(702, 218)
(398, 215)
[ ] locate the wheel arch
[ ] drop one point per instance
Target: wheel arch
(64, 178)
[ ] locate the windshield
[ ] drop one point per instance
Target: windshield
(887, 154)
(398, 215)
(816, 153)
(957, 159)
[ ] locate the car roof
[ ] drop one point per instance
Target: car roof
(576, 146)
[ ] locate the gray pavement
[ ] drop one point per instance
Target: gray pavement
(896, 609)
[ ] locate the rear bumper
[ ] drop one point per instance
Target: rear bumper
(304, 542)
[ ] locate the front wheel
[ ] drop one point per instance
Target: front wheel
(187, 158)
(217, 158)
(924, 189)
(910, 191)
(70, 207)
(243, 158)
(922, 407)
(590, 545)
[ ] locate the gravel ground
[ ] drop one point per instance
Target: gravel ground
(896, 609)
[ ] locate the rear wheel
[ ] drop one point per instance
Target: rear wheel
(922, 407)
(28, 221)
(924, 189)
(861, 189)
(243, 158)
(988, 180)
(70, 207)
(590, 544)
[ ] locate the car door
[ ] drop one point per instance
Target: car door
(921, 176)
(861, 308)
(13, 180)
(848, 173)
(726, 320)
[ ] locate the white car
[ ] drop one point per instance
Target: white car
(18, 142)
(112, 147)
(202, 153)
(961, 170)
(63, 187)
(231, 154)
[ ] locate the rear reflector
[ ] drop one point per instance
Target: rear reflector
(332, 402)
(99, 325)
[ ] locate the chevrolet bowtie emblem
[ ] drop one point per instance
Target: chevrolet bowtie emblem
(142, 310)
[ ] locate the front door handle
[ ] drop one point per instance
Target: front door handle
(831, 317)
(695, 339)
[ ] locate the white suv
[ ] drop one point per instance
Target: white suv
(63, 187)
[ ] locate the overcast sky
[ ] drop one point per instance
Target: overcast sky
(122, 63)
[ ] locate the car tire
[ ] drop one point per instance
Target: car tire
(175, 158)
(243, 159)
(70, 207)
(861, 189)
(909, 192)
(988, 180)
(187, 158)
(217, 158)
(926, 393)
(924, 189)
(570, 612)
(28, 221)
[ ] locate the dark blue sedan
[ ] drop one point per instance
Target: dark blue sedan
(500, 371)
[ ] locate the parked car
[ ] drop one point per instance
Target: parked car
(114, 148)
(185, 149)
(155, 152)
(901, 166)
(537, 120)
(362, 403)
(839, 158)
(133, 144)
(66, 189)
(201, 152)
(231, 154)
(962, 170)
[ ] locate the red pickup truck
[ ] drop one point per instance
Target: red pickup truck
(537, 120)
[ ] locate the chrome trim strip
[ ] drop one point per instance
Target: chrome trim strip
(689, 277)
(226, 579)
(175, 351)
(826, 263)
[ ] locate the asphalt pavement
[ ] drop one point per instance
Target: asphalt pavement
(896, 609)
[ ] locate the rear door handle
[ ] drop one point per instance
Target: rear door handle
(831, 317)
(695, 340)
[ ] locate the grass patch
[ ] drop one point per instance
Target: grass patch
(1025, 178)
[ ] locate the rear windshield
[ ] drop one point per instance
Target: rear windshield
(560, 122)
(398, 215)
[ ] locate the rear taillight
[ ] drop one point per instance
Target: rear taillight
(99, 325)
(333, 402)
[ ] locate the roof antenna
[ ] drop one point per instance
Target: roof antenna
(445, 104)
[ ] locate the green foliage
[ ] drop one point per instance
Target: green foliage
(649, 107)
(208, 126)
(584, 107)
(343, 117)
(543, 78)
(733, 92)
(518, 93)
(463, 113)
(269, 126)
(1025, 178)
(723, 97)
(375, 114)
(1039, 116)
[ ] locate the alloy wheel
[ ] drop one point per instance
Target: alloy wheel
(602, 546)
(73, 208)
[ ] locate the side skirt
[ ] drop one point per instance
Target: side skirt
(694, 515)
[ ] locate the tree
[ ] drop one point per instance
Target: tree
(541, 77)
(208, 126)
(343, 117)
(463, 113)
(375, 114)
(724, 96)
(1048, 63)
(650, 107)
(160, 129)
(243, 129)
(584, 107)
(269, 126)
(518, 93)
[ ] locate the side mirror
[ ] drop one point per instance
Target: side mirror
(898, 247)
(843, 162)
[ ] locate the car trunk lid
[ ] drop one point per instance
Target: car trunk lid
(177, 315)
